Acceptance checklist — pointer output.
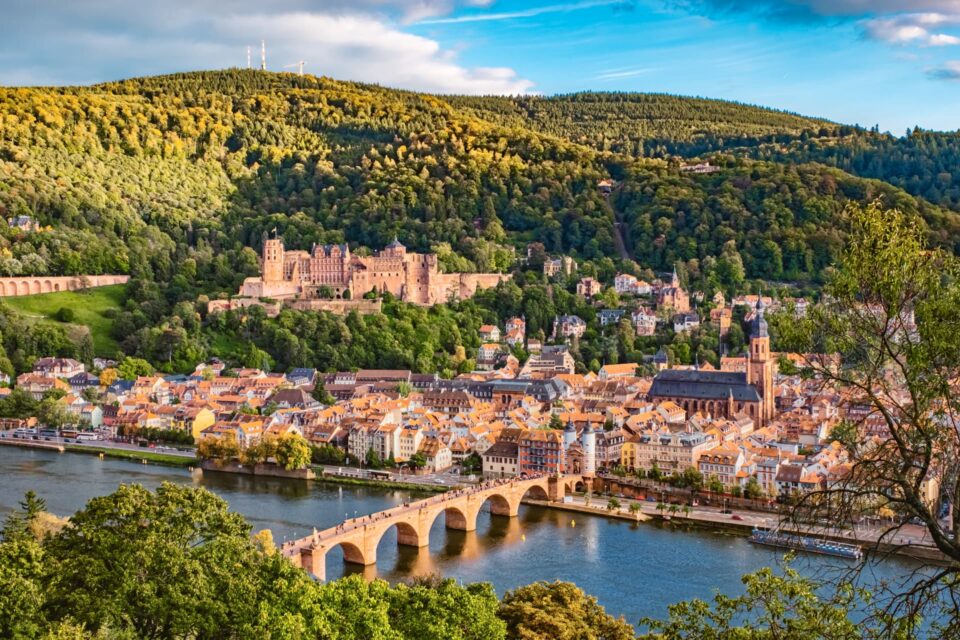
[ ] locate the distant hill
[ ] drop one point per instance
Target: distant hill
(171, 178)
(924, 163)
(646, 124)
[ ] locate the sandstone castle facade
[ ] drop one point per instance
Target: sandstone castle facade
(309, 275)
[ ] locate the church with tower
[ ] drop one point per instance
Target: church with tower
(726, 393)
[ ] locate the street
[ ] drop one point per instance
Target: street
(97, 444)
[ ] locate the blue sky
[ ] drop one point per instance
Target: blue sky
(895, 63)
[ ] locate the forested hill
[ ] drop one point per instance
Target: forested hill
(924, 163)
(155, 176)
(647, 124)
(175, 179)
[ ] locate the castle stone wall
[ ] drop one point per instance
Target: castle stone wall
(32, 285)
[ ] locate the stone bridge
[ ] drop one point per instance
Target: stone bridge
(359, 537)
(31, 285)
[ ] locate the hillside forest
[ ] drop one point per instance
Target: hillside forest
(175, 179)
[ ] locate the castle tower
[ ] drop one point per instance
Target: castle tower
(761, 364)
(569, 435)
(273, 260)
(394, 249)
(588, 441)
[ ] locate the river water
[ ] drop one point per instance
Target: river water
(633, 569)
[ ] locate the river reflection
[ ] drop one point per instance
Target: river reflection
(634, 570)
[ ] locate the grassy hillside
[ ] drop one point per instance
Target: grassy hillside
(90, 309)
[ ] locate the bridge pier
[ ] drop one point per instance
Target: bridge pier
(408, 536)
(461, 520)
(313, 561)
(556, 488)
(505, 508)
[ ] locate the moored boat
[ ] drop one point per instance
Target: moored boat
(805, 543)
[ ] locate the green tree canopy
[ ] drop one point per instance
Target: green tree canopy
(559, 611)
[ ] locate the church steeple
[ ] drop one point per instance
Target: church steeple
(760, 368)
(758, 328)
(675, 280)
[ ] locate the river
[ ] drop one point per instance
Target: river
(633, 570)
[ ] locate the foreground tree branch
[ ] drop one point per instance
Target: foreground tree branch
(886, 337)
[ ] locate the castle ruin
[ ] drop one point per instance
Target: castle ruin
(309, 275)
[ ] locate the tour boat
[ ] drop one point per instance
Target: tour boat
(804, 543)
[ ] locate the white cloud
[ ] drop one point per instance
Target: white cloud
(528, 13)
(359, 47)
(942, 39)
(362, 40)
(948, 71)
(616, 74)
(912, 28)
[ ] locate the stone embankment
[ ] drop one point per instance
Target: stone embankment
(269, 470)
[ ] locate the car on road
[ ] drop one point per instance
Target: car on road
(727, 511)
(736, 517)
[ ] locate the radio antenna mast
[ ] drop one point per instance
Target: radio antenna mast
(263, 55)
(299, 66)
(248, 57)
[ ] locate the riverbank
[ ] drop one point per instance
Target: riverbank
(133, 455)
(380, 484)
(318, 474)
(743, 528)
(268, 470)
(32, 444)
(590, 510)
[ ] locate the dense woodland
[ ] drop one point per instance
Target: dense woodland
(923, 163)
(175, 179)
(646, 124)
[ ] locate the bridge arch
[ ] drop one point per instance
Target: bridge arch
(536, 492)
(407, 535)
(454, 517)
(358, 539)
(501, 504)
(351, 553)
